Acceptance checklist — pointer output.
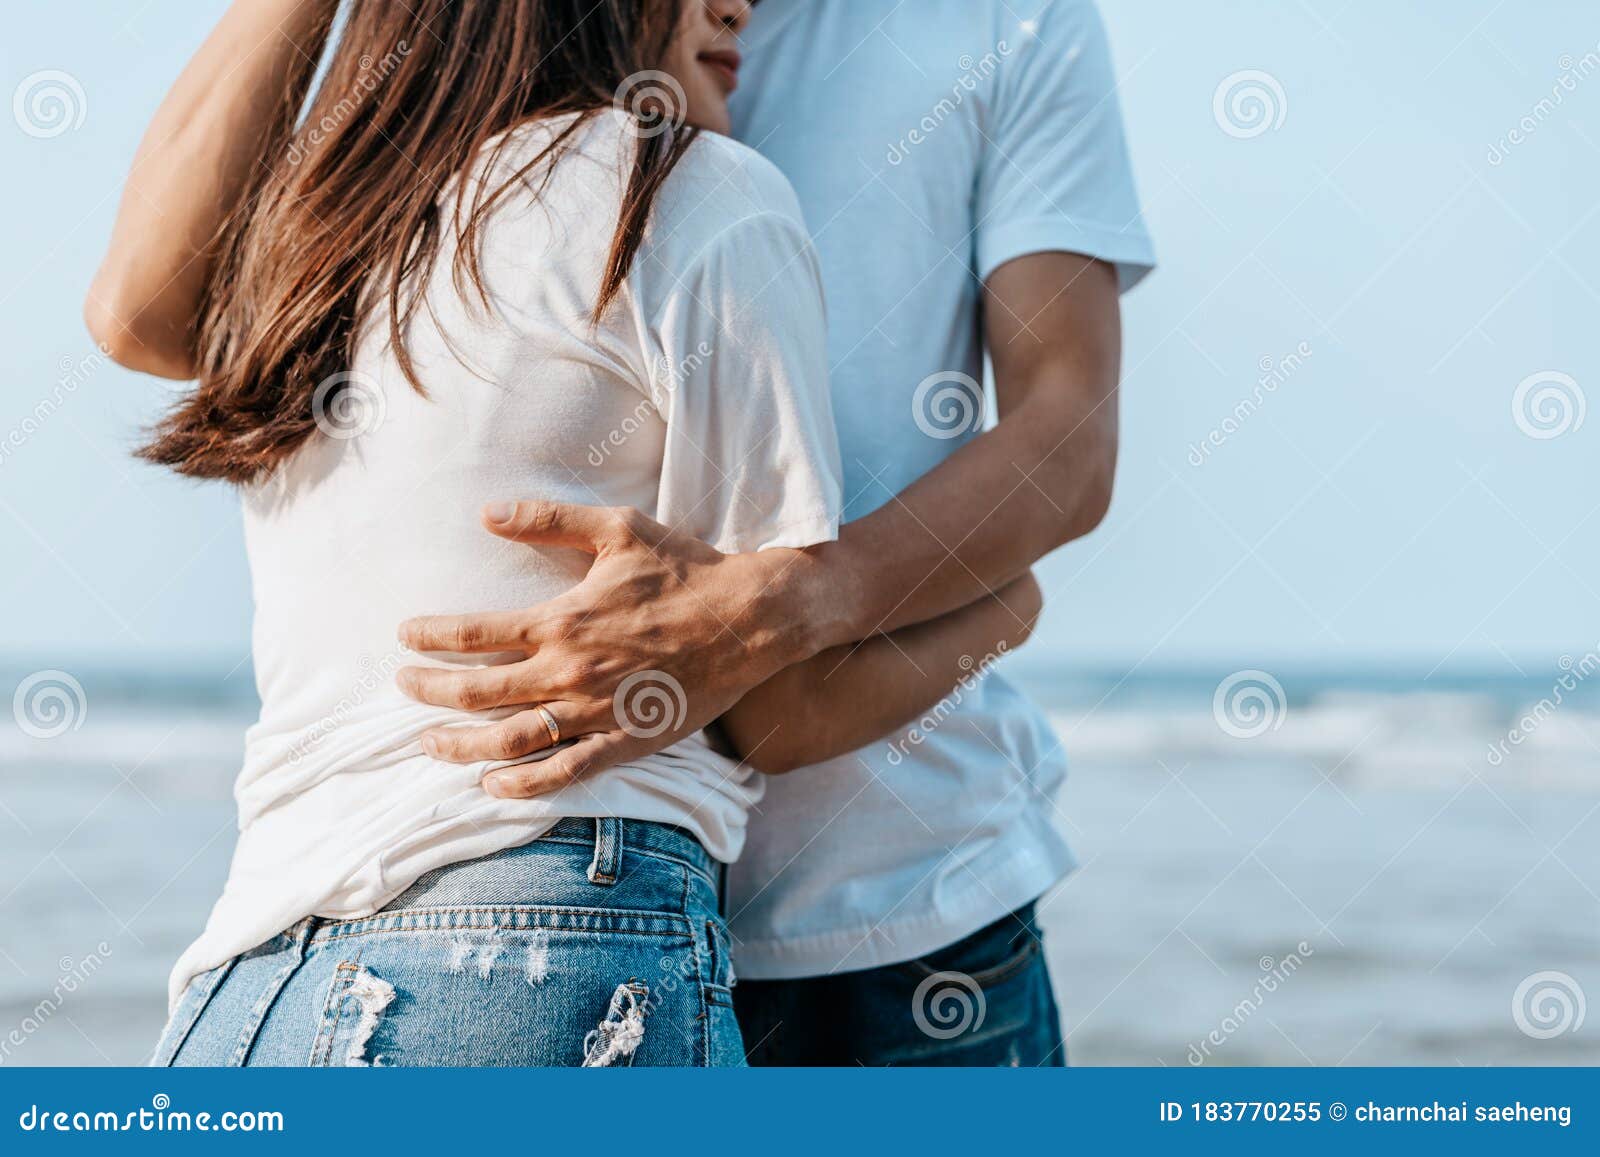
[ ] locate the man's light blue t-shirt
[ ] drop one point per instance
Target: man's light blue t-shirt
(930, 143)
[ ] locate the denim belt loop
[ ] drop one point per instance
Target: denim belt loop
(607, 863)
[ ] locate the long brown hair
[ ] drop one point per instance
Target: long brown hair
(349, 196)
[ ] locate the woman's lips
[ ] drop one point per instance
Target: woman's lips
(725, 63)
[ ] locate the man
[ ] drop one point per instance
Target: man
(962, 166)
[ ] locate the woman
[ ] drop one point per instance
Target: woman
(497, 255)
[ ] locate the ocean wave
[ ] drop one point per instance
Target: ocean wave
(1422, 739)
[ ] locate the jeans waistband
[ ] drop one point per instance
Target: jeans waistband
(612, 840)
(644, 836)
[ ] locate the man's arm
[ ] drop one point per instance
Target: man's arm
(720, 625)
(846, 697)
(1041, 478)
(836, 702)
(193, 170)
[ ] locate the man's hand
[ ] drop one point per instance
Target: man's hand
(661, 637)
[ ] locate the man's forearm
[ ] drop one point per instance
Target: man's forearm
(847, 697)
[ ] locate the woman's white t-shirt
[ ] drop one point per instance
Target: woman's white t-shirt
(700, 399)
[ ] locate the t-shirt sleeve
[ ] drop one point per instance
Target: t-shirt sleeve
(1055, 175)
(751, 457)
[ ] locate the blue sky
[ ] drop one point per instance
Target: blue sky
(1380, 504)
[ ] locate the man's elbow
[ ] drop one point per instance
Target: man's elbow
(776, 760)
(1088, 495)
(1096, 503)
(770, 754)
(134, 345)
(775, 750)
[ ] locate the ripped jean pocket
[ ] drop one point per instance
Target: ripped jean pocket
(497, 995)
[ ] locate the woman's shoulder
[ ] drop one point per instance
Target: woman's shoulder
(731, 177)
(717, 181)
(721, 196)
(721, 189)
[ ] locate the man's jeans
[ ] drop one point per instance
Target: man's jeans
(983, 1001)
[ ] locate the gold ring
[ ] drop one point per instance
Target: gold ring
(549, 723)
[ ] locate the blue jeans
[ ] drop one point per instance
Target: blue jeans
(598, 944)
(983, 1001)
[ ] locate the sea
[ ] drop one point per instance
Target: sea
(1282, 867)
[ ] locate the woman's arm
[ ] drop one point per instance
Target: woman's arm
(193, 169)
(847, 697)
